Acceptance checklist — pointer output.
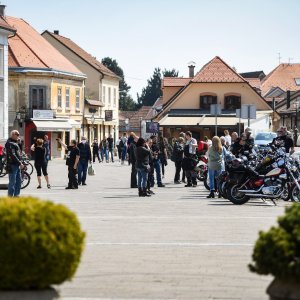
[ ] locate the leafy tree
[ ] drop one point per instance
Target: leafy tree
(126, 102)
(153, 89)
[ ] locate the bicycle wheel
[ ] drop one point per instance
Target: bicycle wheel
(3, 170)
(25, 179)
(29, 167)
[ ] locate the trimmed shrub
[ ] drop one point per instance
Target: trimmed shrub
(277, 251)
(40, 243)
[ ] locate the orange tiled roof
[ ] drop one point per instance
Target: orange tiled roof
(5, 25)
(29, 49)
(283, 76)
(82, 54)
(217, 71)
(175, 81)
(135, 116)
(254, 82)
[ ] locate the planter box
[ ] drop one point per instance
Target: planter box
(49, 294)
(279, 290)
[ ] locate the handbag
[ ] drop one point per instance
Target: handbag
(91, 170)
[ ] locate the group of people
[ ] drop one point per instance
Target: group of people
(103, 151)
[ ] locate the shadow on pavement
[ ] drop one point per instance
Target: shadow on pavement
(49, 294)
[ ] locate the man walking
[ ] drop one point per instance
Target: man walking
(14, 164)
(72, 163)
(110, 141)
(156, 161)
(85, 158)
(95, 148)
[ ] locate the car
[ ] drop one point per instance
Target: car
(264, 138)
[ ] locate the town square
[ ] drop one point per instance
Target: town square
(149, 150)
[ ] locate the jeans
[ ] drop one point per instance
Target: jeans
(142, 178)
(213, 174)
(82, 169)
(104, 153)
(14, 185)
(191, 177)
(156, 165)
(73, 183)
(124, 152)
(96, 154)
(111, 151)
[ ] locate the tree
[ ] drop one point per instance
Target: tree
(126, 102)
(153, 89)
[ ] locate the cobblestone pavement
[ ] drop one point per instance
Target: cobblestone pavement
(174, 245)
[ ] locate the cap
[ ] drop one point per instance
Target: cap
(248, 129)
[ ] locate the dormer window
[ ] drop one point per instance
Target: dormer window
(232, 102)
(297, 80)
(207, 100)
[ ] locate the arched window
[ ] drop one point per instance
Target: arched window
(232, 102)
(206, 100)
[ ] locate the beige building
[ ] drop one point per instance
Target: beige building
(101, 115)
(45, 89)
(185, 103)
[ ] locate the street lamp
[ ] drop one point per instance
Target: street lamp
(92, 121)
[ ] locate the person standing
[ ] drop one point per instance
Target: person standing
(72, 161)
(163, 155)
(119, 148)
(234, 137)
(189, 161)
(132, 158)
(85, 158)
(40, 162)
(14, 164)
(156, 161)
(95, 148)
(150, 181)
(104, 149)
(227, 138)
(110, 142)
(142, 166)
(214, 164)
(177, 157)
(249, 142)
(283, 140)
(46, 145)
(124, 141)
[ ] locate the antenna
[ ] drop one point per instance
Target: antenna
(279, 57)
(290, 58)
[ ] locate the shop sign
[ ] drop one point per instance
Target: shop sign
(42, 114)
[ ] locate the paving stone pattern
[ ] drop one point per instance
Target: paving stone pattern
(174, 245)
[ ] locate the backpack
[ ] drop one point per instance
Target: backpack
(121, 144)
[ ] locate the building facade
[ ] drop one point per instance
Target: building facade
(46, 91)
(186, 102)
(101, 113)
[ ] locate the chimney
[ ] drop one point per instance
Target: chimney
(191, 66)
(56, 32)
(2, 10)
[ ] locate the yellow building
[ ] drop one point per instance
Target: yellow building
(46, 91)
(185, 103)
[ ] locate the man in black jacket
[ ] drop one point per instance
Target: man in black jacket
(14, 164)
(132, 158)
(85, 158)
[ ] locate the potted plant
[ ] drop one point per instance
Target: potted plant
(40, 245)
(277, 252)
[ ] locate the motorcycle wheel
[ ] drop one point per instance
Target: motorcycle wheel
(223, 189)
(295, 194)
(235, 197)
(206, 181)
(200, 173)
(286, 195)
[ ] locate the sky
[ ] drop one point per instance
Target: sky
(144, 34)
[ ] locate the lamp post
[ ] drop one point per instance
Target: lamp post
(92, 121)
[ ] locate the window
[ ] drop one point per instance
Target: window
(67, 97)
(37, 97)
(207, 100)
(115, 97)
(232, 102)
(59, 97)
(103, 94)
(297, 80)
(109, 96)
(77, 98)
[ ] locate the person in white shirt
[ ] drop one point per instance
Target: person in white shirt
(227, 138)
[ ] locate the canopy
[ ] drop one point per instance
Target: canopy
(52, 125)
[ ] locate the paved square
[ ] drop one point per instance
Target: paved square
(174, 245)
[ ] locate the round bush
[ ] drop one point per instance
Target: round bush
(40, 243)
(277, 251)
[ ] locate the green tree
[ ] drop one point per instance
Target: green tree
(153, 89)
(126, 102)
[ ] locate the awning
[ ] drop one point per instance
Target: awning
(52, 125)
(94, 102)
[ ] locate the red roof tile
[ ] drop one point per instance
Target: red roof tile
(5, 25)
(217, 71)
(135, 116)
(254, 82)
(82, 53)
(283, 76)
(29, 49)
(175, 81)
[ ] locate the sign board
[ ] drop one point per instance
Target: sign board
(108, 115)
(152, 127)
(248, 112)
(215, 109)
(42, 114)
(238, 113)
